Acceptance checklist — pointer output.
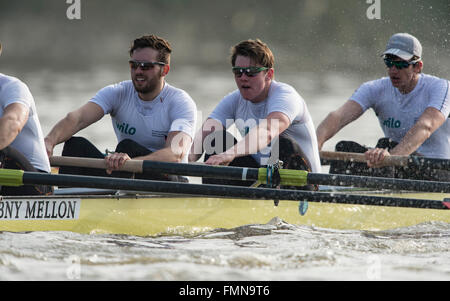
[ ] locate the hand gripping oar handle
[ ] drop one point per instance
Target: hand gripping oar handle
(129, 165)
(359, 157)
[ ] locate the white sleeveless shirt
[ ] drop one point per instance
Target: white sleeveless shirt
(30, 141)
(397, 112)
(147, 122)
(283, 98)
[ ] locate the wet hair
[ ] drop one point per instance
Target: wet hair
(256, 50)
(155, 42)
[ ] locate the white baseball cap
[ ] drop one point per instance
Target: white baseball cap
(403, 45)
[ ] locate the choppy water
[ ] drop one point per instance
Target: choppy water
(275, 251)
(272, 252)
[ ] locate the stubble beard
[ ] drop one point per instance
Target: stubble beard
(150, 86)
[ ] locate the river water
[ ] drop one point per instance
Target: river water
(276, 251)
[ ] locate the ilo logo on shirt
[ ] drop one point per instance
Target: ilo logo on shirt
(392, 123)
(125, 128)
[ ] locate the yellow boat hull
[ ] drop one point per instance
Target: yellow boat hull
(150, 216)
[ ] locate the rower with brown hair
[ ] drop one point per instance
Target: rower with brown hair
(152, 119)
(271, 116)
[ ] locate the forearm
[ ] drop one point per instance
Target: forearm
(163, 155)
(9, 132)
(429, 122)
(197, 147)
(257, 139)
(327, 129)
(413, 139)
(336, 120)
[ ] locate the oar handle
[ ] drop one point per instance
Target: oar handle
(358, 157)
(129, 165)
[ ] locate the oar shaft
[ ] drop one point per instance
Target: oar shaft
(183, 169)
(288, 177)
(359, 157)
(130, 165)
(414, 162)
(378, 183)
(224, 191)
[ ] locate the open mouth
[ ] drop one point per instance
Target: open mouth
(140, 79)
(395, 79)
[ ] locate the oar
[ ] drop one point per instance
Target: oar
(18, 178)
(288, 177)
(413, 162)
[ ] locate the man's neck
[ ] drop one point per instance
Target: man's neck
(412, 84)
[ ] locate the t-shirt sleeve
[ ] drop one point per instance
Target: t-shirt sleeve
(183, 114)
(226, 109)
(16, 92)
(366, 94)
(287, 101)
(439, 96)
(107, 97)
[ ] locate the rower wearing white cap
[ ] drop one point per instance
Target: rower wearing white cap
(412, 109)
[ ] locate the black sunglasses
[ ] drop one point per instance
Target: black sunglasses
(144, 65)
(398, 64)
(249, 71)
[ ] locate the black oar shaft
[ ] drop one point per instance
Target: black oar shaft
(412, 162)
(224, 191)
(378, 183)
(201, 170)
(421, 163)
(252, 174)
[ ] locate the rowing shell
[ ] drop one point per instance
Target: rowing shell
(151, 215)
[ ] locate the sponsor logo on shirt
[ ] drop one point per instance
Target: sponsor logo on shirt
(156, 133)
(392, 123)
(125, 128)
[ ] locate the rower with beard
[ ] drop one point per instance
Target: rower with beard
(152, 120)
(412, 109)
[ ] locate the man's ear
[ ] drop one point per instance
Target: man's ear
(270, 73)
(165, 70)
(418, 66)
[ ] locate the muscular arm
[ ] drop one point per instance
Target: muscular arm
(73, 123)
(256, 139)
(14, 118)
(208, 127)
(336, 120)
(429, 121)
(177, 146)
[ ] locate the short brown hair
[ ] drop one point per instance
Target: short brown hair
(155, 42)
(255, 50)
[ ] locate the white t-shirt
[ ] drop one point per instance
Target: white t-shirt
(283, 98)
(147, 122)
(398, 112)
(30, 141)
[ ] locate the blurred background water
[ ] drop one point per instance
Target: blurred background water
(324, 48)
